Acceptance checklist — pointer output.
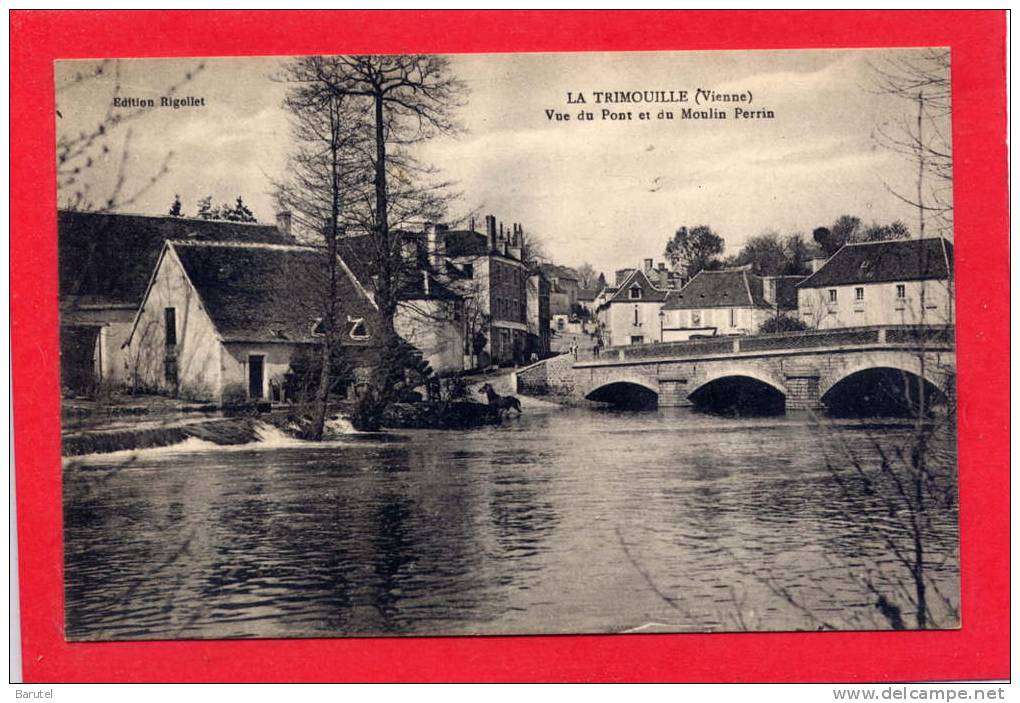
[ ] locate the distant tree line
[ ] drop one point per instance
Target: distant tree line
(238, 212)
(693, 249)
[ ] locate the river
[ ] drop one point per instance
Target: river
(565, 520)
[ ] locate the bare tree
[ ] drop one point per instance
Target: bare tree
(323, 170)
(410, 99)
(922, 133)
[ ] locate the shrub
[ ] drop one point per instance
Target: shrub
(301, 382)
(783, 323)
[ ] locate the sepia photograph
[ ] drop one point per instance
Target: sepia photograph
(507, 344)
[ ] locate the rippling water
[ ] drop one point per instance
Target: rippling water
(563, 521)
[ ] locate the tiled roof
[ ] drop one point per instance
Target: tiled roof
(885, 262)
(106, 258)
(561, 272)
(586, 294)
(719, 289)
(268, 293)
(359, 253)
(649, 293)
(465, 242)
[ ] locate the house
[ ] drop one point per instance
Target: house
(601, 307)
(539, 317)
(105, 261)
(632, 312)
(224, 321)
(564, 286)
(586, 300)
(726, 302)
(907, 281)
(489, 271)
(661, 277)
(429, 315)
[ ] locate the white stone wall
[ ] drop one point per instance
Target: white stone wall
(725, 321)
(879, 306)
(621, 322)
(198, 347)
(433, 328)
(234, 366)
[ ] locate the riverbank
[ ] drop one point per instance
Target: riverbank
(144, 423)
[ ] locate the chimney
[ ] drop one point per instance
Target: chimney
(490, 230)
(435, 237)
(662, 265)
(648, 265)
(817, 263)
(472, 228)
(283, 222)
(516, 248)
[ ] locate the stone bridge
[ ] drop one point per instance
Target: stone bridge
(803, 370)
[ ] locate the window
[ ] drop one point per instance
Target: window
(859, 294)
(637, 315)
(635, 292)
(832, 295)
(358, 330)
(733, 317)
(637, 339)
(170, 316)
(901, 291)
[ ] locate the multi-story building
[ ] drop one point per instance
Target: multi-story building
(907, 281)
(488, 270)
(539, 316)
(726, 302)
(564, 287)
(632, 312)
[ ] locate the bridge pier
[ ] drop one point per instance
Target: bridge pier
(802, 387)
(673, 393)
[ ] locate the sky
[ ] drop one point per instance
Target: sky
(609, 193)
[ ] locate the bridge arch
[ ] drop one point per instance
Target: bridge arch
(625, 391)
(737, 372)
(882, 386)
(739, 390)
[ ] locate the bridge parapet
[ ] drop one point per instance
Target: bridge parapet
(911, 336)
(552, 376)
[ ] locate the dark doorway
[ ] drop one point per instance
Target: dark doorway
(78, 358)
(256, 375)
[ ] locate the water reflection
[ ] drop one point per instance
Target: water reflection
(567, 521)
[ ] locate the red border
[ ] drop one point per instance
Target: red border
(979, 650)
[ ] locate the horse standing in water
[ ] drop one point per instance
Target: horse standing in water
(502, 403)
